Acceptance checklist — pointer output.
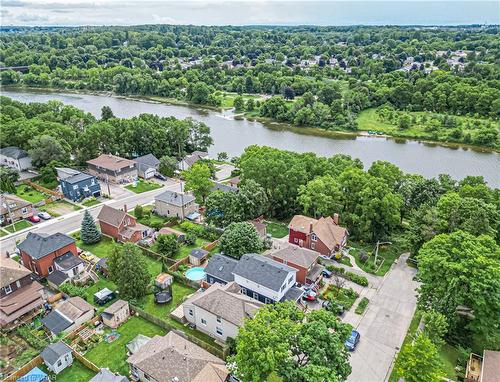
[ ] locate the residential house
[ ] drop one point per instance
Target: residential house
(39, 250)
(220, 269)
(325, 235)
(121, 226)
(15, 158)
(234, 182)
(68, 316)
(113, 169)
(57, 357)
(218, 186)
(174, 358)
(105, 375)
(80, 186)
(266, 280)
(67, 267)
(304, 260)
(13, 209)
(137, 343)
(483, 369)
(197, 256)
(191, 159)
(147, 166)
(34, 375)
(20, 295)
(116, 314)
(220, 310)
(173, 204)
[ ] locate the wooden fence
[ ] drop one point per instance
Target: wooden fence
(217, 351)
(210, 246)
(178, 263)
(37, 361)
(88, 364)
(55, 194)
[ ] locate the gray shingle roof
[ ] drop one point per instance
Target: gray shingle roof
(224, 187)
(263, 271)
(107, 376)
(78, 178)
(198, 253)
(57, 278)
(293, 294)
(148, 159)
(55, 351)
(38, 245)
(221, 267)
(56, 322)
(13, 152)
(174, 198)
(68, 261)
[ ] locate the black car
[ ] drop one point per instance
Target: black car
(160, 176)
(326, 273)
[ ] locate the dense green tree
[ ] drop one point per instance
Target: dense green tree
(198, 180)
(89, 233)
(129, 271)
(106, 113)
(459, 272)
(320, 196)
(239, 239)
(8, 176)
(296, 346)
(45, 149)
(419, 361)
(168, 165)
(167, 245)
(435, 327)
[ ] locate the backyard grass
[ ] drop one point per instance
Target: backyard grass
(29, 194)
(149, 218)
(277, 230)
(143, 186)
(77, 372)
(185, 250)
(449, 357)
(91, 202)
(345, 260)
(114, 355)
(179, 294)
(387, 252)
(343, 296)
(100, 249)
(17, 226)
(101, 284)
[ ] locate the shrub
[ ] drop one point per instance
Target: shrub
(31, 339)
(190, 239)
(72, 290)
(336, 270)
(362, 306)
(360, 280)
(138, 211)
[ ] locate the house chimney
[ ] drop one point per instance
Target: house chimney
(125, 208)
(336, 218)
(310, 228)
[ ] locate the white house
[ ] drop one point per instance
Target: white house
(15, 157)
(266, 280)
(70, 265)
(220, 310)
(57, 357)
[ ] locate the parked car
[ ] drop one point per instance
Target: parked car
(324, 257)
(44, 215)
(326, 273)
(160, 176)
(309, 296)
(333, 307)
(87, 256)
(34, 219)
(310, 287)
(353, 340)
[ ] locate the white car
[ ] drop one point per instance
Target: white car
(44, 215)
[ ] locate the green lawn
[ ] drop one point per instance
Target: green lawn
(185, 250)
(30, 194)
(101, 284)
(179, 293)
(76, 373)
(149, 218)
(277, 230)
(91, 202)
(100, 249)
(114, 355)
(228, 98)
(449, 358)
(3, 233)
(21, 224)
(143, 186)
(61, 207)
(388, 252)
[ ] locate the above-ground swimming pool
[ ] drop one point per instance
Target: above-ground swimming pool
(195, 274)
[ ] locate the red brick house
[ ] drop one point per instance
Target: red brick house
(39, 250)
(303, 259)
(121, 226)
(324, 235)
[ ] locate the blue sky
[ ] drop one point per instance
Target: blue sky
(241, 12)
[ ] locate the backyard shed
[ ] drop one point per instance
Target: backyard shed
(198, 256)
(103, 296)
(116, 314)
(164, 280)
(57, 357)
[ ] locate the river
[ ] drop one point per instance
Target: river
(233, 135)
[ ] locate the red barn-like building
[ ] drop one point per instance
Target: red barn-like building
(325, 235)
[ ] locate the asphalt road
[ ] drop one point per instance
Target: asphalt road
(384, 325)
(71, 222)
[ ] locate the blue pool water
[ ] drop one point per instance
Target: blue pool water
(195, 274)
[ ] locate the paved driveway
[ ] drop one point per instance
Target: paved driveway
(224, 171)
(384, 324)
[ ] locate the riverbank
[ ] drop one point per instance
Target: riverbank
(253, 117)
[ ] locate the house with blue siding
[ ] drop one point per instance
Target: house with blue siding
(80, 186)
(259, 277)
